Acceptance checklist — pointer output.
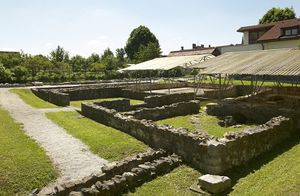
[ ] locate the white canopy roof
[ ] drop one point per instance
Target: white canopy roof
(167, 63)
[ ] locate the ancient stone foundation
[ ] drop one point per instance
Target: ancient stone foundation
(203, 152)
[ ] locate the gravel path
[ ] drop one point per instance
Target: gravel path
(72, 158)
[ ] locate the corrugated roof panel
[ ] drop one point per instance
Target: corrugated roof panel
(282, 62)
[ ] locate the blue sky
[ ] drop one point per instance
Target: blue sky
(87, 26)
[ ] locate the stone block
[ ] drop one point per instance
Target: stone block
(215, 183)
(76, 193)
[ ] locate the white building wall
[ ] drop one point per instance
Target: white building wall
(246, 38)
(282, 44)
(236, 48)
(259, 46)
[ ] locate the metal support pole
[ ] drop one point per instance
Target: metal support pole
(150, 82)
(220, 86)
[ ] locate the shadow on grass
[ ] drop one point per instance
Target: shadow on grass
(258, 162)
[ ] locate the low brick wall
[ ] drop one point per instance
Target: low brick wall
(230, 91)
(241, 147)
(63, 96)
(52, 96)
(119, 105)
(167, 111)
(117, 177)
(158, 86)
(252, 112)
(133, 178)
(200, 151)
(160, 100)
(288, 90)
(131, 94)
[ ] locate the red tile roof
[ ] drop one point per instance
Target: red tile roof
(273, 29)
(256, 27)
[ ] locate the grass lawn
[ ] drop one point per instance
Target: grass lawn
(28, 97)
(77, 104)
(274, 173)
(23, 164)
(207, 123)
(175, 183)
(107, 142)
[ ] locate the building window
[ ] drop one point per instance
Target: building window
(295, 31)
(254, 36)
(291, 32)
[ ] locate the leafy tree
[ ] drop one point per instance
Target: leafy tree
(97, 66)
(120, 54)
(107, 53)
(20, 73)
(94, 58)
(278, 14)
(5, 74)
(59, 55)
(147, 52)
(10, 60)
(110, 63)
(36, 63)
(78, 62)
(138, 37)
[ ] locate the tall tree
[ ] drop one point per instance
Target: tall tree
(94, 58)
(120, 54)
(10, 60)
(278, 14)
(138, 37)
(147, 52)
(108, 60)
(77, 63)
(36, 63)
(107, 53)
(59, 55)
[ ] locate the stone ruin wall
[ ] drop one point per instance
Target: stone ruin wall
(201, 151)
(120, 176)
(161, 100)
(240, 147)
(52, 96)
(63, 95)
(166, 111)
(158, 86)
(245, 111)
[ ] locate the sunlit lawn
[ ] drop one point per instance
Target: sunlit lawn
(206, 122)
(175, 183)
(107, 142)
(28, 97)
(274, 173)
(24, 165)
(77, 104)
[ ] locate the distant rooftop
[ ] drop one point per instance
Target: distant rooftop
(274, 30)
(195, 50)
(9, 52)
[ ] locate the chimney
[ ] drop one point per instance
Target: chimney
(194, 46)
(182, 48)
